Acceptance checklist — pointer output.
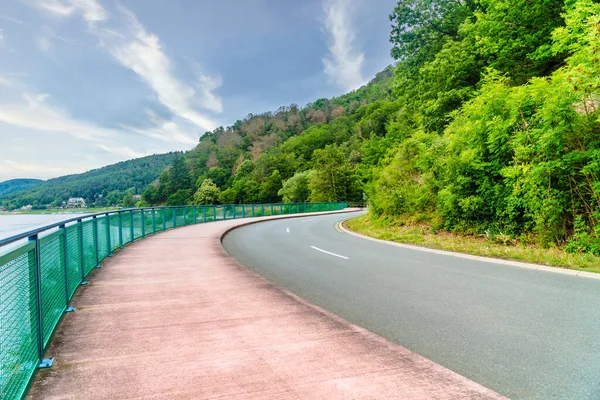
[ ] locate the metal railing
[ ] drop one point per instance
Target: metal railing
(40, 272)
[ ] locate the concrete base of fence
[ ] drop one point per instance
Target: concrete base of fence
(173, 316)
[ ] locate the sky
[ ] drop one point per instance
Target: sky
(87, 83)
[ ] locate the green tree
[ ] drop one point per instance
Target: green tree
(207, 193)
(269, 189)
(227, 196)
(295, 189)
(420, 28)
(128, 200)
(180, 198)
(332, 178)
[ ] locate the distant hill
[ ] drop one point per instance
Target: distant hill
(94, 186)
(16, 185)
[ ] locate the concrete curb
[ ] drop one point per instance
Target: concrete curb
(519, 264)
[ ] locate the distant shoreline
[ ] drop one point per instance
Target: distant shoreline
(55, 211)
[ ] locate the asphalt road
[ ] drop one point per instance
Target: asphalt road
(526, 334)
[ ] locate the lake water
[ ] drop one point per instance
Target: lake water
(11, 225)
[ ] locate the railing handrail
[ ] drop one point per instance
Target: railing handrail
(81, 217)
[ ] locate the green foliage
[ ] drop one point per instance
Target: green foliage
(295, 189)
(128, 200)
(517, 160)
(227, 196)
(207, 193)
(16, 185)
(420, 28)
(332, 178)
(180, 198)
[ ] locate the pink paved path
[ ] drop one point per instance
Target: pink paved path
(174, 317)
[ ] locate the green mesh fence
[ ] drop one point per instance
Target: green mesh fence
(32, 307)
(179, 219)
(18, 326)
(169, 218)
(159, 218)
(126, 231)
(137, 224)
(148, 222)
(52, 269)
(115, 230)
(74, 268)
(103, 238)
(89, 247)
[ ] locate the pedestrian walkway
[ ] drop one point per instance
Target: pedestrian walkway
(173, 316)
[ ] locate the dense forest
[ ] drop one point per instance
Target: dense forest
(487, 122)
(16, 185)
(100, 187)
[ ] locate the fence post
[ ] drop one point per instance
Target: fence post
(243, 211)
(44, 362)
(263, 209)
(174, 217)
(184, 216)
(95, 230)
(131, 232)
(120, 229)
(204, 211)
(63, 229)
(280, 208)
(108, 239)
(271, 208)
(143, 219)
(164, 218)
(215, 213)
(153, 221)
(253, 210)
(81, 252)
(195, 214)
(234, 206)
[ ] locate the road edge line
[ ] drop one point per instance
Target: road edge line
(491, 260)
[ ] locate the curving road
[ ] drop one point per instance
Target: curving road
(523, 333)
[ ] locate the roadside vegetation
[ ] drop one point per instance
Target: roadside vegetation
(486, 127)
(400, 230)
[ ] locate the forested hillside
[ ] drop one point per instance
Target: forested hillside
(488, 122)
(15, 185)
(99, 187)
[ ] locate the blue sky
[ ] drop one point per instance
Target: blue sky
(86, 83)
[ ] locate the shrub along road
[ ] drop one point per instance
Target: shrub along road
(526, 334)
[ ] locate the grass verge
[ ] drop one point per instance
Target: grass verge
(422, 235)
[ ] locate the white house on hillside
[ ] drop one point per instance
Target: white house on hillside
(75, 202)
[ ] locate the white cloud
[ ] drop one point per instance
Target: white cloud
(15, 20)
(90, 10)
(10, 169)
(33, 112)
(206, 84)
(43, 43)
(343, 63)
(142, 52)
(56, 7)
(165, 130)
